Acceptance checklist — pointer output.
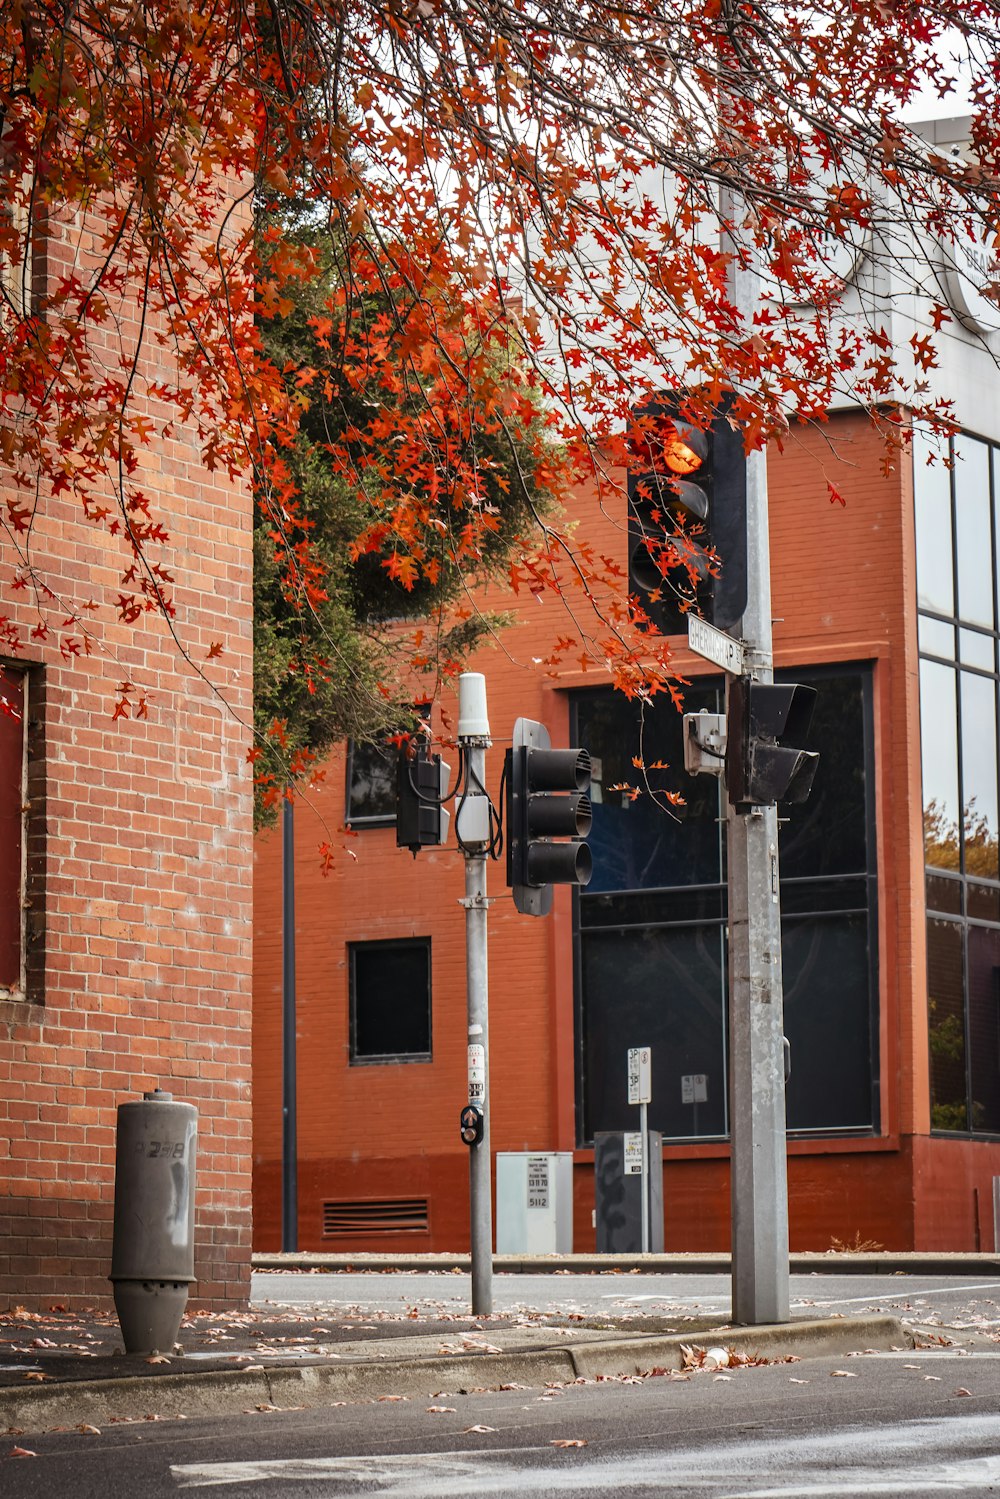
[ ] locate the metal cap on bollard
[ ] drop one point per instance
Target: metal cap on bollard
(152, 1257)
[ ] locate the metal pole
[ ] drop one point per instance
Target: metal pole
(289, 1141)
(480, 1181)
(473, 830)
(644, 1127)
(756, 1051)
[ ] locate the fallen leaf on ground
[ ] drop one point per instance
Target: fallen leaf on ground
(568, 1442)
(440, 1410)
(21, 1452)
(911, 1366)
(726, 1377)
(842, 1374)
(37, 1375)
(963, 1391)
(93, 1431)
(470, 1429)
(393, 1397)
(936, 1378)
(158, 1358)
(798, 1381)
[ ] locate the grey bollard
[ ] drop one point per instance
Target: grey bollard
(152, 1256)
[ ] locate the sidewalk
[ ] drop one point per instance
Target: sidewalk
(830, 1262)
(65, 1369)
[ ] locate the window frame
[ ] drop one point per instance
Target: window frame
(381, 1059)
(962, 886)
(860, 897)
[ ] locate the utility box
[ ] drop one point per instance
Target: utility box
(152, 1257)
(618, 1192)
(534, 1203)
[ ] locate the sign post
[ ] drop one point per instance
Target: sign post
(640, 1092)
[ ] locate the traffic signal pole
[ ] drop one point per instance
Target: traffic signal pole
(474, 738)
(759, 1173)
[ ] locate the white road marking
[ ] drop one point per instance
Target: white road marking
(904, 1459)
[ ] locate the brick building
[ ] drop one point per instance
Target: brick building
(890, 890)
(126, 867)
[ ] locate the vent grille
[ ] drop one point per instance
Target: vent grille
(376, 1215)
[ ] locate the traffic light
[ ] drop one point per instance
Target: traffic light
(421, 786)
(547, 801)
(687, 516)
(766, 728)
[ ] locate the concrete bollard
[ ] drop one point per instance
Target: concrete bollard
(152, 1257)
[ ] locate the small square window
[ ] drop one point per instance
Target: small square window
(391, 1000)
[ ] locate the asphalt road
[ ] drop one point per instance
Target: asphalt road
(960, 1301)
(908, 1424)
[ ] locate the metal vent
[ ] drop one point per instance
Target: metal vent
(376, 1215)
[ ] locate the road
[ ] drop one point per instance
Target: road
(913, 1425)
(959, 1301)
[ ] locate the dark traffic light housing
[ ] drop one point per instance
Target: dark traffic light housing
(766, 728)
(421, 785)
(687, 516)
(547, 800)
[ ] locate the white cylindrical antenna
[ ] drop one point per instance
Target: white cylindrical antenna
(472, 720)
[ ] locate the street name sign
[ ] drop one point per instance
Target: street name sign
(715, 645)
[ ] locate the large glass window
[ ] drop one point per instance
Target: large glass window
(956, 499)
(652, 923)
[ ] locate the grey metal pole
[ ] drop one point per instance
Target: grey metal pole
(473, 829)
(289, 1132)
(644, 1128)
(756, 1050)
(480, 1176)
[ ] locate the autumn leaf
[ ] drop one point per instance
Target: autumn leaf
(214, 650)
(21, 1452)
(568, 1442)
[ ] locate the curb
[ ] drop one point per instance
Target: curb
(230, 1392)
(884, 1262)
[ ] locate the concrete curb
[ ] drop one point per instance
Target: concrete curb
(230, 1392)
(883, 1262)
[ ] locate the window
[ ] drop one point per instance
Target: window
(957, 534)
(391, 1000)
(651, 925)
(13, 829)
(22, 832)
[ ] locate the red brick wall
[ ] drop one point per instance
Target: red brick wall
(141, 966)
(843, 590)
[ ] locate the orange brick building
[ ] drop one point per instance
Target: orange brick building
(126, 867)
(894, 1123)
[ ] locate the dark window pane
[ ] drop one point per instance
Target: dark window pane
(979, 774)
(973, 536)
(371, 783)
(982, 902)
(939, 761)
(946, 1021)
(936, 638)
(984, 1027)
(827, 834)
(944, 894)
(654, 907)
(662, 989)
(636, 844)
(11, 823)
(825, 973)
(932, 501)
(390, 999)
